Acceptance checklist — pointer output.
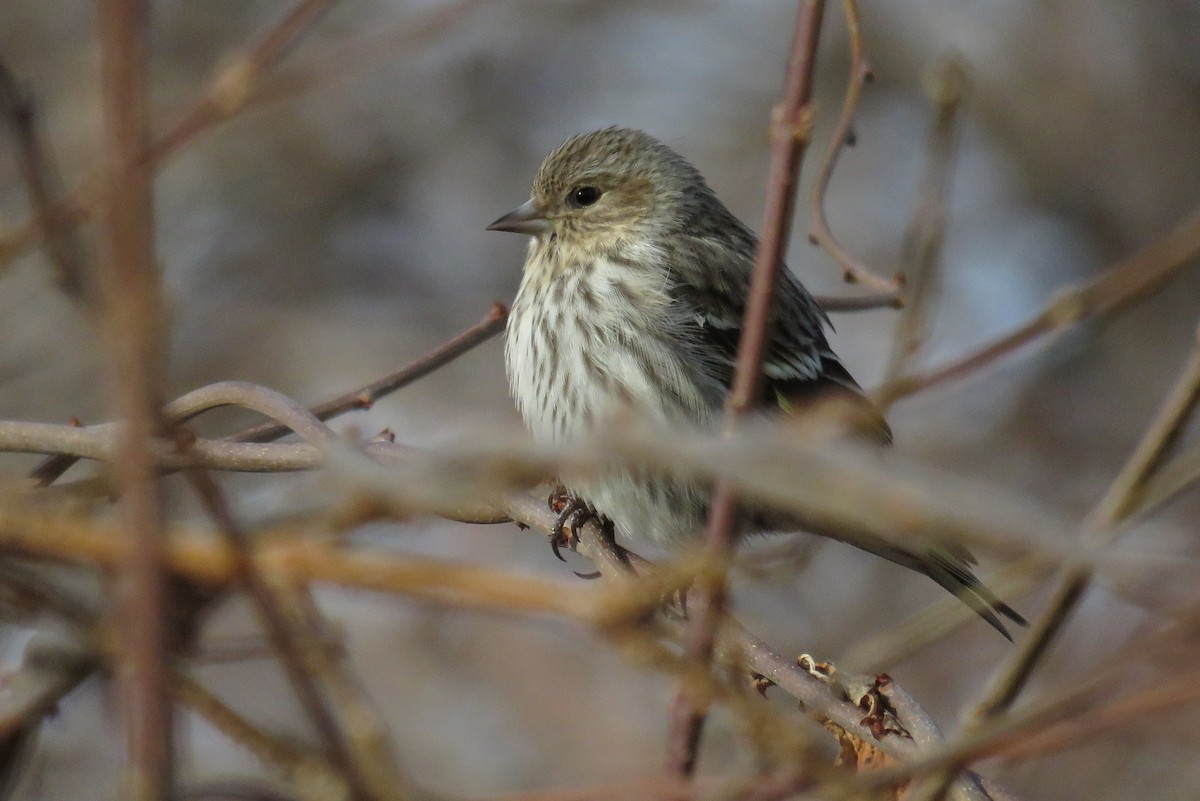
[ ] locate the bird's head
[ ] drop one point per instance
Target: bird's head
(607, 186)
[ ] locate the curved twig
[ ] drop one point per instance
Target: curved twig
(820, 233)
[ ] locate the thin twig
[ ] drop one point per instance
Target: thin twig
(236, 79)
(860, 72)
(290, 641)
(365, 396)
(227, 93)
(1121, 285)
(133, 321)
(1099, 529)
(947, 85)
(293, 762)
(365, 729)
(492, 323)
(791, 130)
(38, 171)
(346, 59)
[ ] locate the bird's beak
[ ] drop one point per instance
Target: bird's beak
(524, 219)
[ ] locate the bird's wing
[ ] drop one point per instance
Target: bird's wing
(712, 282)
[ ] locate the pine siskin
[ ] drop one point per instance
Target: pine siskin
(632, 298)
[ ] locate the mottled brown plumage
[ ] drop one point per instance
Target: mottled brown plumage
(632, 299)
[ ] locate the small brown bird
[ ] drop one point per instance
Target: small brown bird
(632, 299)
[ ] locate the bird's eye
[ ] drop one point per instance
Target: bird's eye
(584, 195)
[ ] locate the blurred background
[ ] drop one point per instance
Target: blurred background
(328, 235)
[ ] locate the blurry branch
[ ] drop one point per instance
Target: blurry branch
(41, 178)
(1126, 282)
(946, 85)
(1170, 480)
(848, 489)
(791, 131)
(236, 79)
(362, 398)
(295, 645)
(860, 72)
(205, 561)
(296, 765)
(225, 95)
(236, 83)
(837, 702)
(239, 791)
(347, 59)
(132, 318)
(1100, 528)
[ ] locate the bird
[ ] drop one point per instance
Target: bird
(631, 300)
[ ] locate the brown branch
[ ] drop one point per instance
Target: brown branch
(736, 645)
(294, 763)
(236, 79)
(132, 316)
(791, 130)
(1175, 477)
(226, 94)
(364, 397)
(1099, 529)
(41, 178)
(345, 59)
(366, 731)
(291, 642)
(1128, 281)
(185, 408)
(239, 81)
(860, 72)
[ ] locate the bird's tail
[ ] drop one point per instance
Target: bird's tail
(953, 571)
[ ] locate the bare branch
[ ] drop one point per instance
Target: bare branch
(41, 177)
(791, 130)
(853, 271)
(364, 397)
(1125, 283)
(134, 326)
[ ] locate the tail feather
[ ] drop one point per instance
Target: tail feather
(955, 576)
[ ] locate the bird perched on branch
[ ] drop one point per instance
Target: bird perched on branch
(632, 299)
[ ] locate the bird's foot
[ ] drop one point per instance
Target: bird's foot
(572, 513)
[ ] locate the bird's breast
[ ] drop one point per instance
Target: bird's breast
(596, 337)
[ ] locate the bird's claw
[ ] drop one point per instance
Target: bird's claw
(572, 513)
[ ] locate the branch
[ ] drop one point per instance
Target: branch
(293, 643)
(854, 271)
(223, 97)
(1125, 283)
(791, 129)
(1100, 528)
(288, 417)
(38, 171)
(364, 397)
(132, 315)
